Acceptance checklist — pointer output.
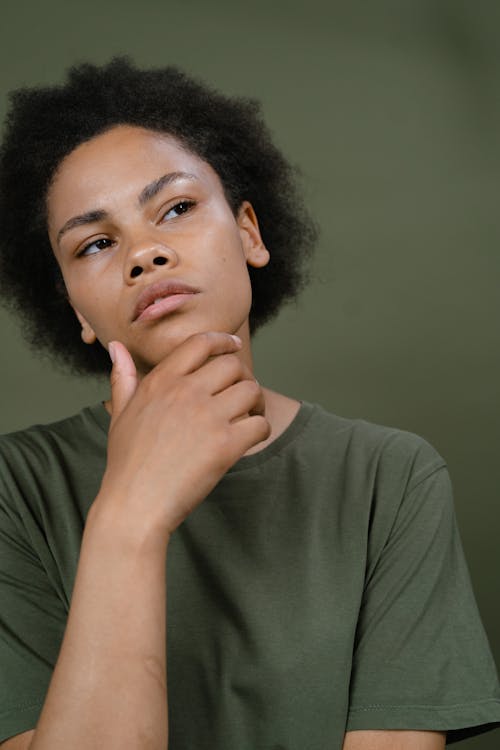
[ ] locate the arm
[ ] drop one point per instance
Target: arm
(108, 687)
(393, 740)
(109, 684)
(171, 439)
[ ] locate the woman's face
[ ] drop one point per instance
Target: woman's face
(148, 246)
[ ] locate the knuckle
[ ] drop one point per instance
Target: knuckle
(198, 341)
(205, 342)
(232, 365)
(264, 427)
(253, 389)
(204, 337)
(212, 338)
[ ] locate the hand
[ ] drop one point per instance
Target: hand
(175, 434)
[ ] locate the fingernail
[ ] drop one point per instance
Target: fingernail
(111, 351)
(236, 338)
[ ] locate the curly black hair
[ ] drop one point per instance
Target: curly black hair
(45, 124)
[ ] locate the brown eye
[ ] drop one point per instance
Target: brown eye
(94, 247)
(180, 208)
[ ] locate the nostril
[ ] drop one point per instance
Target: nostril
(160, 261)
(136, 271)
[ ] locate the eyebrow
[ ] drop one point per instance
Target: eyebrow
(77, 221)
(149, 192)
(157, 186)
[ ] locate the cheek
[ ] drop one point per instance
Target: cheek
(231, 254)
(97, 309)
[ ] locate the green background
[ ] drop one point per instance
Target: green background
(392, 111)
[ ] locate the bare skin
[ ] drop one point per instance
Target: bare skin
(185, 406)
(396, 739)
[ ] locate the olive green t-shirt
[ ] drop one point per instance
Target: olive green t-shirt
(321, 587)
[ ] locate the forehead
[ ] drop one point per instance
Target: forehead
(126, 141)
(119, 162)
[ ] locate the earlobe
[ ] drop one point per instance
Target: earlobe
(256, 253)
(88, 335)
(87, 332)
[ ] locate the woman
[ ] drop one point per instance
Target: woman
(304, 570)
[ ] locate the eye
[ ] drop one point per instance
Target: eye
(180, 208)
(95, 247)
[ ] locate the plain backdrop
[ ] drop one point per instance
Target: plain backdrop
(392, 112)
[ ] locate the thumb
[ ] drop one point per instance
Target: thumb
(123, 378)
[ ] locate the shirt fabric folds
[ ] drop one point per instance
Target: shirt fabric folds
(321, 587)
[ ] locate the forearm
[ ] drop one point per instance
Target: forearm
(109, 684)
(394, 739)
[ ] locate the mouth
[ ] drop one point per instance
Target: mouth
(161, 298)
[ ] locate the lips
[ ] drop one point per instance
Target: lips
(156, 293)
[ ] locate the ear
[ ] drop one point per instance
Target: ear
(256, 253)
(87, 333)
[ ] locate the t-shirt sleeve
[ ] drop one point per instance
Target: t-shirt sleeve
(421, 659)
(32, 622)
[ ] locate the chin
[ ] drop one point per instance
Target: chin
(147, 358)
(163, 339)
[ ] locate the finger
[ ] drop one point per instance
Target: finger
(197, 349)
(260, 406)
(249, 432)
(240, 399)
(222, 371)
(123, 378)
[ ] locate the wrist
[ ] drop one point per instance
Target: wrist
(111, 517)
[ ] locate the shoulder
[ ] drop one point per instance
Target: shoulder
(90, 420)
(30, 457)
(388, 452)
(367, 474)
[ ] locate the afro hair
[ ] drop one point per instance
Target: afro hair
(44, 124)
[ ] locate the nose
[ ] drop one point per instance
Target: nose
(145, 257)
